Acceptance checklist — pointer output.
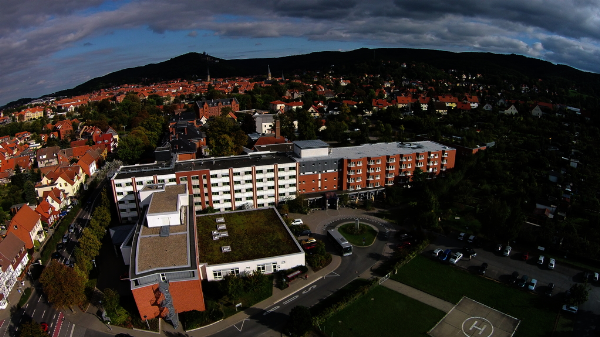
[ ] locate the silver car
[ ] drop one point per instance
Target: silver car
(507, 250)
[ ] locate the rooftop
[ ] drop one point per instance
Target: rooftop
(166, 201)
(380, 149)
(252, 234)
(310, 144)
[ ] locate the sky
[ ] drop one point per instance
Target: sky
(46, 46)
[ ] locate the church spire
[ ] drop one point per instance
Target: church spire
(207, 74)
(268, 72)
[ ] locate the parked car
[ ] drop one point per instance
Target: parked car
(549, 289)
(437, 252)
(551, 264)
(444, 255)
(532, 284)
(570, 308)
(44, 326)
(507, 250)
(296, 222)
(471, 239)
(403, 245)
(65, 238)
(469, 252)
(514, 277)
(306, 232)
(483, 268)
(541, 260)
(498, 248)
(404, 236)
(309, 246)
(60, 246)
(307, 241)
(525, 256)
(72, 228)
(523, 281)
(596, 277)
(456, 257)
(461, 236)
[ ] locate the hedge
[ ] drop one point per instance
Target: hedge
(347, 300)
(400, 260)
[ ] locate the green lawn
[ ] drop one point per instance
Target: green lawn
(537, 313)
(357, 240)
(383, 312)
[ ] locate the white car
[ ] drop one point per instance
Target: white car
(507, 250)
(570, 308)
(456, 257)
(461, 236)
(297, 222)
(541, 259)
(471, 239)
(437, 252)
(532, 284)
(551, 264)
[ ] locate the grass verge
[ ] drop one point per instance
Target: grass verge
(364, 239)
(24, 297)
(537, 313)
(383, 312)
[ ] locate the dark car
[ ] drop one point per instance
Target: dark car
(499, 248)
(56, 256)
(514, 277)
(483, 268)
(60, 246)
(469, 252)
(525, 256)
(549, 289)
(523, 281)
(444, 256)
(306, 232)
(404, 245)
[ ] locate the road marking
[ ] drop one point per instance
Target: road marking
(336, 274)
(242, 326)
(33, 313)
(43, 313)
(293, 298)
(39, 299)
(72, 329)
(309, 289)
(270, 310)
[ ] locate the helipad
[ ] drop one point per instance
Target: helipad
(473, 319)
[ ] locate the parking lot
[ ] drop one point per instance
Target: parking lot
(501, 268)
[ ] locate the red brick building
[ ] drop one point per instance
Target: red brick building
(212, 108)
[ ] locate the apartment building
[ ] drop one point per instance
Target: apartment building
(13, 259)
(226, 183)
(264, 179)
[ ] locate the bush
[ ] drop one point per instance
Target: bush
(401, 258)
(299, 323)
(349, 298)
(319, 258)
(195, 319)
(297, 229)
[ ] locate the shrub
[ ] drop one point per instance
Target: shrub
(300, 322)
(195, 319)
(348, 299)
(401, 258)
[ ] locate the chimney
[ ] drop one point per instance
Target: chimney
(277, 129)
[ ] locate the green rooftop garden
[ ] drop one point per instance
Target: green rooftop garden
(253, 235)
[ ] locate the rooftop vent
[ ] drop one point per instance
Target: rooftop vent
(220, 220)
(225, 249)
(216, 237)
(221, 227)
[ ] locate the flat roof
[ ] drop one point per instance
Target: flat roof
(310, 144)
(252, 234)
(166, 201)
(379, 150)
(218, 163)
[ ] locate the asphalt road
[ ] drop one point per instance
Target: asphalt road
(275, 317)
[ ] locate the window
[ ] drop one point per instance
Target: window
(226, 183)
(225, 175)
(213, 175)
(270, 170)
(236, 182)
(282, 194)
(216, 202)
(237, 191)
(238, 199)
(119, 185)
(172, 180)
(292, 168)
(260, 188)
(227, 200)
(247, 172)
(139, 183)
(219, 274)
(291, 185)
(127, 184)
(124, 210)
(236, 173)
(119, 193)
(292, 177)
(215, 193)
(271, 187)
(281, 186)
(270, 179)
(182, 179)
(261, 268)
(193, 178)
(196, 195)
(259, 180)
(161, 181)
(248, 181)
(249, 198)
(195, 186)
(149, 182)
(248, 190)
(259, 171)
(130, 192)
(281, 169)
(260, 197)
(214, 184)
(122, 202)
(197, 203)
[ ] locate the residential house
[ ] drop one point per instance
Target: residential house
(537, 111)
(27, 226)
(440, 107)
(448, 100)
(13, 261)
(47, 156)
(487, 107)
(472, 100)
(510, 111)
(66, 178)
(213, 107)
(64, 128)
(49, 214)
(56, 198)
(277, 106)
(89, 162)
(292, 106)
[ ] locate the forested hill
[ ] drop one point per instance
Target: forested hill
(498, 67)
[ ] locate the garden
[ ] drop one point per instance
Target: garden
(363, 236)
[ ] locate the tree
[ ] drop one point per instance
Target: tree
(63, 285)
(579, 293)
(29, 193)
(32, 329)
(300, 321)
(130, 149)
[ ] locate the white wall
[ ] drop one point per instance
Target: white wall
(283, 262)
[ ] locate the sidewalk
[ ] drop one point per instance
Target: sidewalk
(418, 295)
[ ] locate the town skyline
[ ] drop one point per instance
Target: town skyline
(50, 48)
